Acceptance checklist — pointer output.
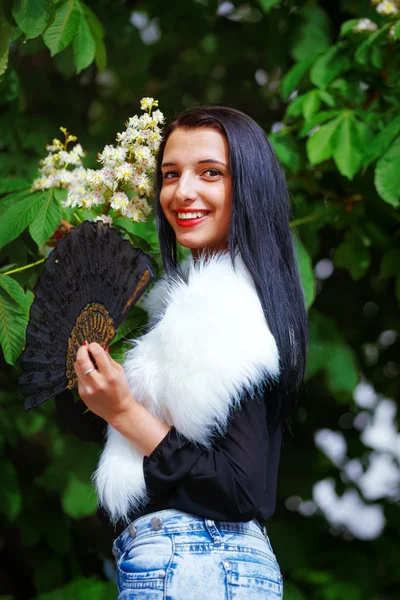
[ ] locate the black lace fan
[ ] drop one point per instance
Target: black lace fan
(90, 282)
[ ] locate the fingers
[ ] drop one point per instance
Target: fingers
(83, 362)
(102, 358)
(105, 363)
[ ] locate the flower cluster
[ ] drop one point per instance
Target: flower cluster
(54, 170)
(364, 25)
(387, 8)
(124, 183)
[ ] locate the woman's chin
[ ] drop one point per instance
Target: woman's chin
(191, 242)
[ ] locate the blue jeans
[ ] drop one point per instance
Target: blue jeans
(173, 555)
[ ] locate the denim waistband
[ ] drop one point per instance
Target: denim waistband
(175, 521)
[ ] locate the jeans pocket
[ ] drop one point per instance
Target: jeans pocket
(145, 564)
(251, 580)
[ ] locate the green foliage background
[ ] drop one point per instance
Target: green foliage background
(328, 98)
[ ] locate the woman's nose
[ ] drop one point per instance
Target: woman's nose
(186, 188)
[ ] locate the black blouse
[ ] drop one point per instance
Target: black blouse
(234, 480)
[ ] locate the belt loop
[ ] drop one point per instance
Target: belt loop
(213, 531)
(265, 530)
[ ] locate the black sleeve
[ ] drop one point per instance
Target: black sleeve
(228, 478)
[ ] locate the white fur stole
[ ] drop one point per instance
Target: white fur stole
(208, 344)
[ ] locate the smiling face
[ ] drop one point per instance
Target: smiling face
(197, 187)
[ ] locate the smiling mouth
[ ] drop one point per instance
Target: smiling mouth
(190, 219)
(193, 215)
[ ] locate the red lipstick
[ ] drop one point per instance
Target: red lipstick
(189, 222)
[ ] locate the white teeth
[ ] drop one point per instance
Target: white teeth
(189, 215)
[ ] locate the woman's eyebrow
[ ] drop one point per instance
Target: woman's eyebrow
(205, 160)
(211, 160)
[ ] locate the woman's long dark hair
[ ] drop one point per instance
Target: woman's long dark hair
(260, 230)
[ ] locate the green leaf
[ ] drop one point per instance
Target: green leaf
(314, 576)
(101, 55)
(312, 35)
(8, 267)
(19, 215)
(11, 199)
(5, 38)
(293, 77)
(79, 499)
(353, 255)
(82, 588)
(342, 371)
(131, 228)
(10, 87)
(306, 272)
(30, 296)
(381, 142)
(311, 104)
(97, 31)
(8, 184)
(10, 495)
(306, 105)
(387, 175)
(84, 45)
(14, 316)
(47, 219)
(396, 31)
(346, 28)
(350, 91)
(6, 7)
(327, 98)
(64, 27)
(317, 119)
(295, 108)
(329, 353)
(95, 26)
(336, 590)
(287, 151)
(378, 54)
(266, 5)
(16, 292)
(330, 65)
(132, 326)
(319, 144)
(16, 33)
(363, 53)
(348, 144)
(33, 16)
(60, 194)
(30, 423)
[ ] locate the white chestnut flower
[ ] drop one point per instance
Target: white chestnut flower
(365, 25)
(105, 218)
(387, 8)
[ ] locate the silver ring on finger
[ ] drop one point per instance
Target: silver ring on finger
(89, 371)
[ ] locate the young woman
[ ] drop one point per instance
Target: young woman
(197, 411)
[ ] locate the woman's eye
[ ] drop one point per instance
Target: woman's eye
(167, 174)
(213, 172)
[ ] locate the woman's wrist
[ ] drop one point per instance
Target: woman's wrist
(140, 427)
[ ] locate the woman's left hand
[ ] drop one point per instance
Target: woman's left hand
(105, 390)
